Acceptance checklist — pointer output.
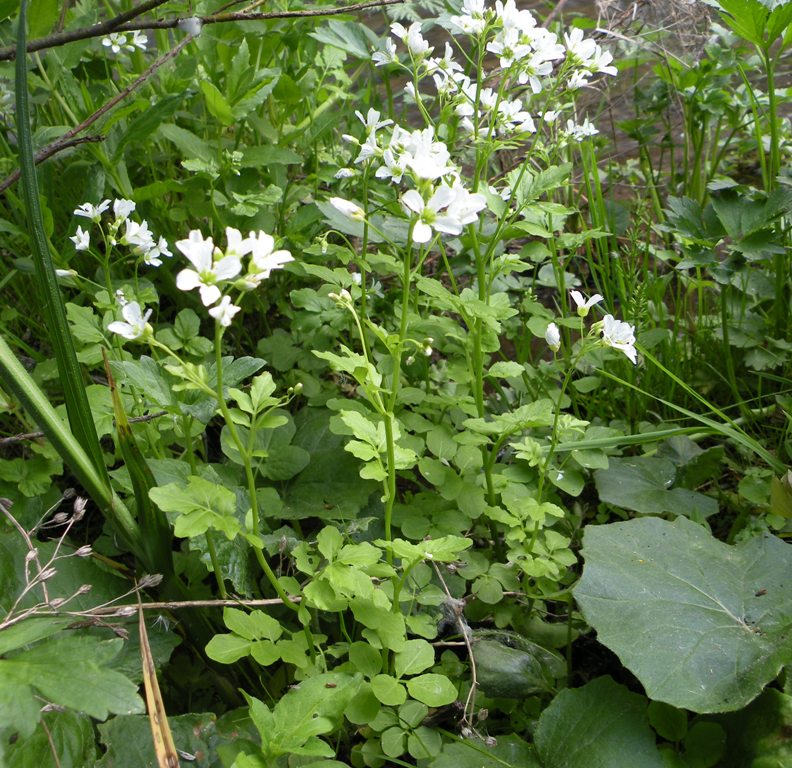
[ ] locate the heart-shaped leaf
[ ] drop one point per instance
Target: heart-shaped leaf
(703, 625)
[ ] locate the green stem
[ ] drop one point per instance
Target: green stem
(249, 475)
(216, 565)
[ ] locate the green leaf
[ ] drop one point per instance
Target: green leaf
(261, 157)
(71, 671)
(704, 626)
(388, 690)
(506, 369)
(508, 752)
(139, 130)
(216, 103)
(415, 657)
(512, 666)
(69, 735)
(128, 741)
(601, 725)
(315, 707)
(227, 648)
(255, 625)
(644, 484)
(198, 507)
(49, 296)
(758, 735)
(432, 689)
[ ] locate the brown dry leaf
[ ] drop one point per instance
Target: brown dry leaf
(165, 749)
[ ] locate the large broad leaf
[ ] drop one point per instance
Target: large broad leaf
(70, 671)
(601, 725)
(509, 752)
(759, 734)
(704, 626)
(68, 735)
(644, 484)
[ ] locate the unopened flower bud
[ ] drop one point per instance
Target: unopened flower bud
(192, 26)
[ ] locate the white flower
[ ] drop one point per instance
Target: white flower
(412, 38)
(584, 305)
(139, 40)
(236, 245)
(372, 121)
(263, 259)
(349, 209)
(94, 213)
(582, 131)
(387, 56)
(461, 208)
(136, 325)
(587, 54)
(553, 337)
(512, 18)
(345, 173)
(115, 41)
(207, 273)
(81, 240)
(138, 236)
(151, 257)
(121, 209)
(224, 312)
(619, 335)
(473, 19)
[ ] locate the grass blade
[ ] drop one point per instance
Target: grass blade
(77, 407)
(33, 399)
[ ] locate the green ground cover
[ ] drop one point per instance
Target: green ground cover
(398, 385)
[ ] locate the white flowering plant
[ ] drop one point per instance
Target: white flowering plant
(367, 332)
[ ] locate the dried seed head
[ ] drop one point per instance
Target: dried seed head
(59, 518)
(79, 508)
(57, 602)
(84, 551)
(83, 590)
(149, 580)
(47, 573)
(127, 610)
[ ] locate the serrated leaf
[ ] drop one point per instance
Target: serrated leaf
(703, 625)
(198, 507)
(73, 672)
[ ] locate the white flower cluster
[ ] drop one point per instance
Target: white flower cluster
(214, 268)
(529, 56)
(135, 324)
(135, 235)
(438, 201)
(121, 41)
(613, 333)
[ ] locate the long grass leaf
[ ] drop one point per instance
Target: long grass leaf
(33, 399)
(77, 407)
(154, 527)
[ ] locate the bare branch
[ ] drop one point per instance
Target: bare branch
(123, 23)
(112, 610)
(25, 436)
